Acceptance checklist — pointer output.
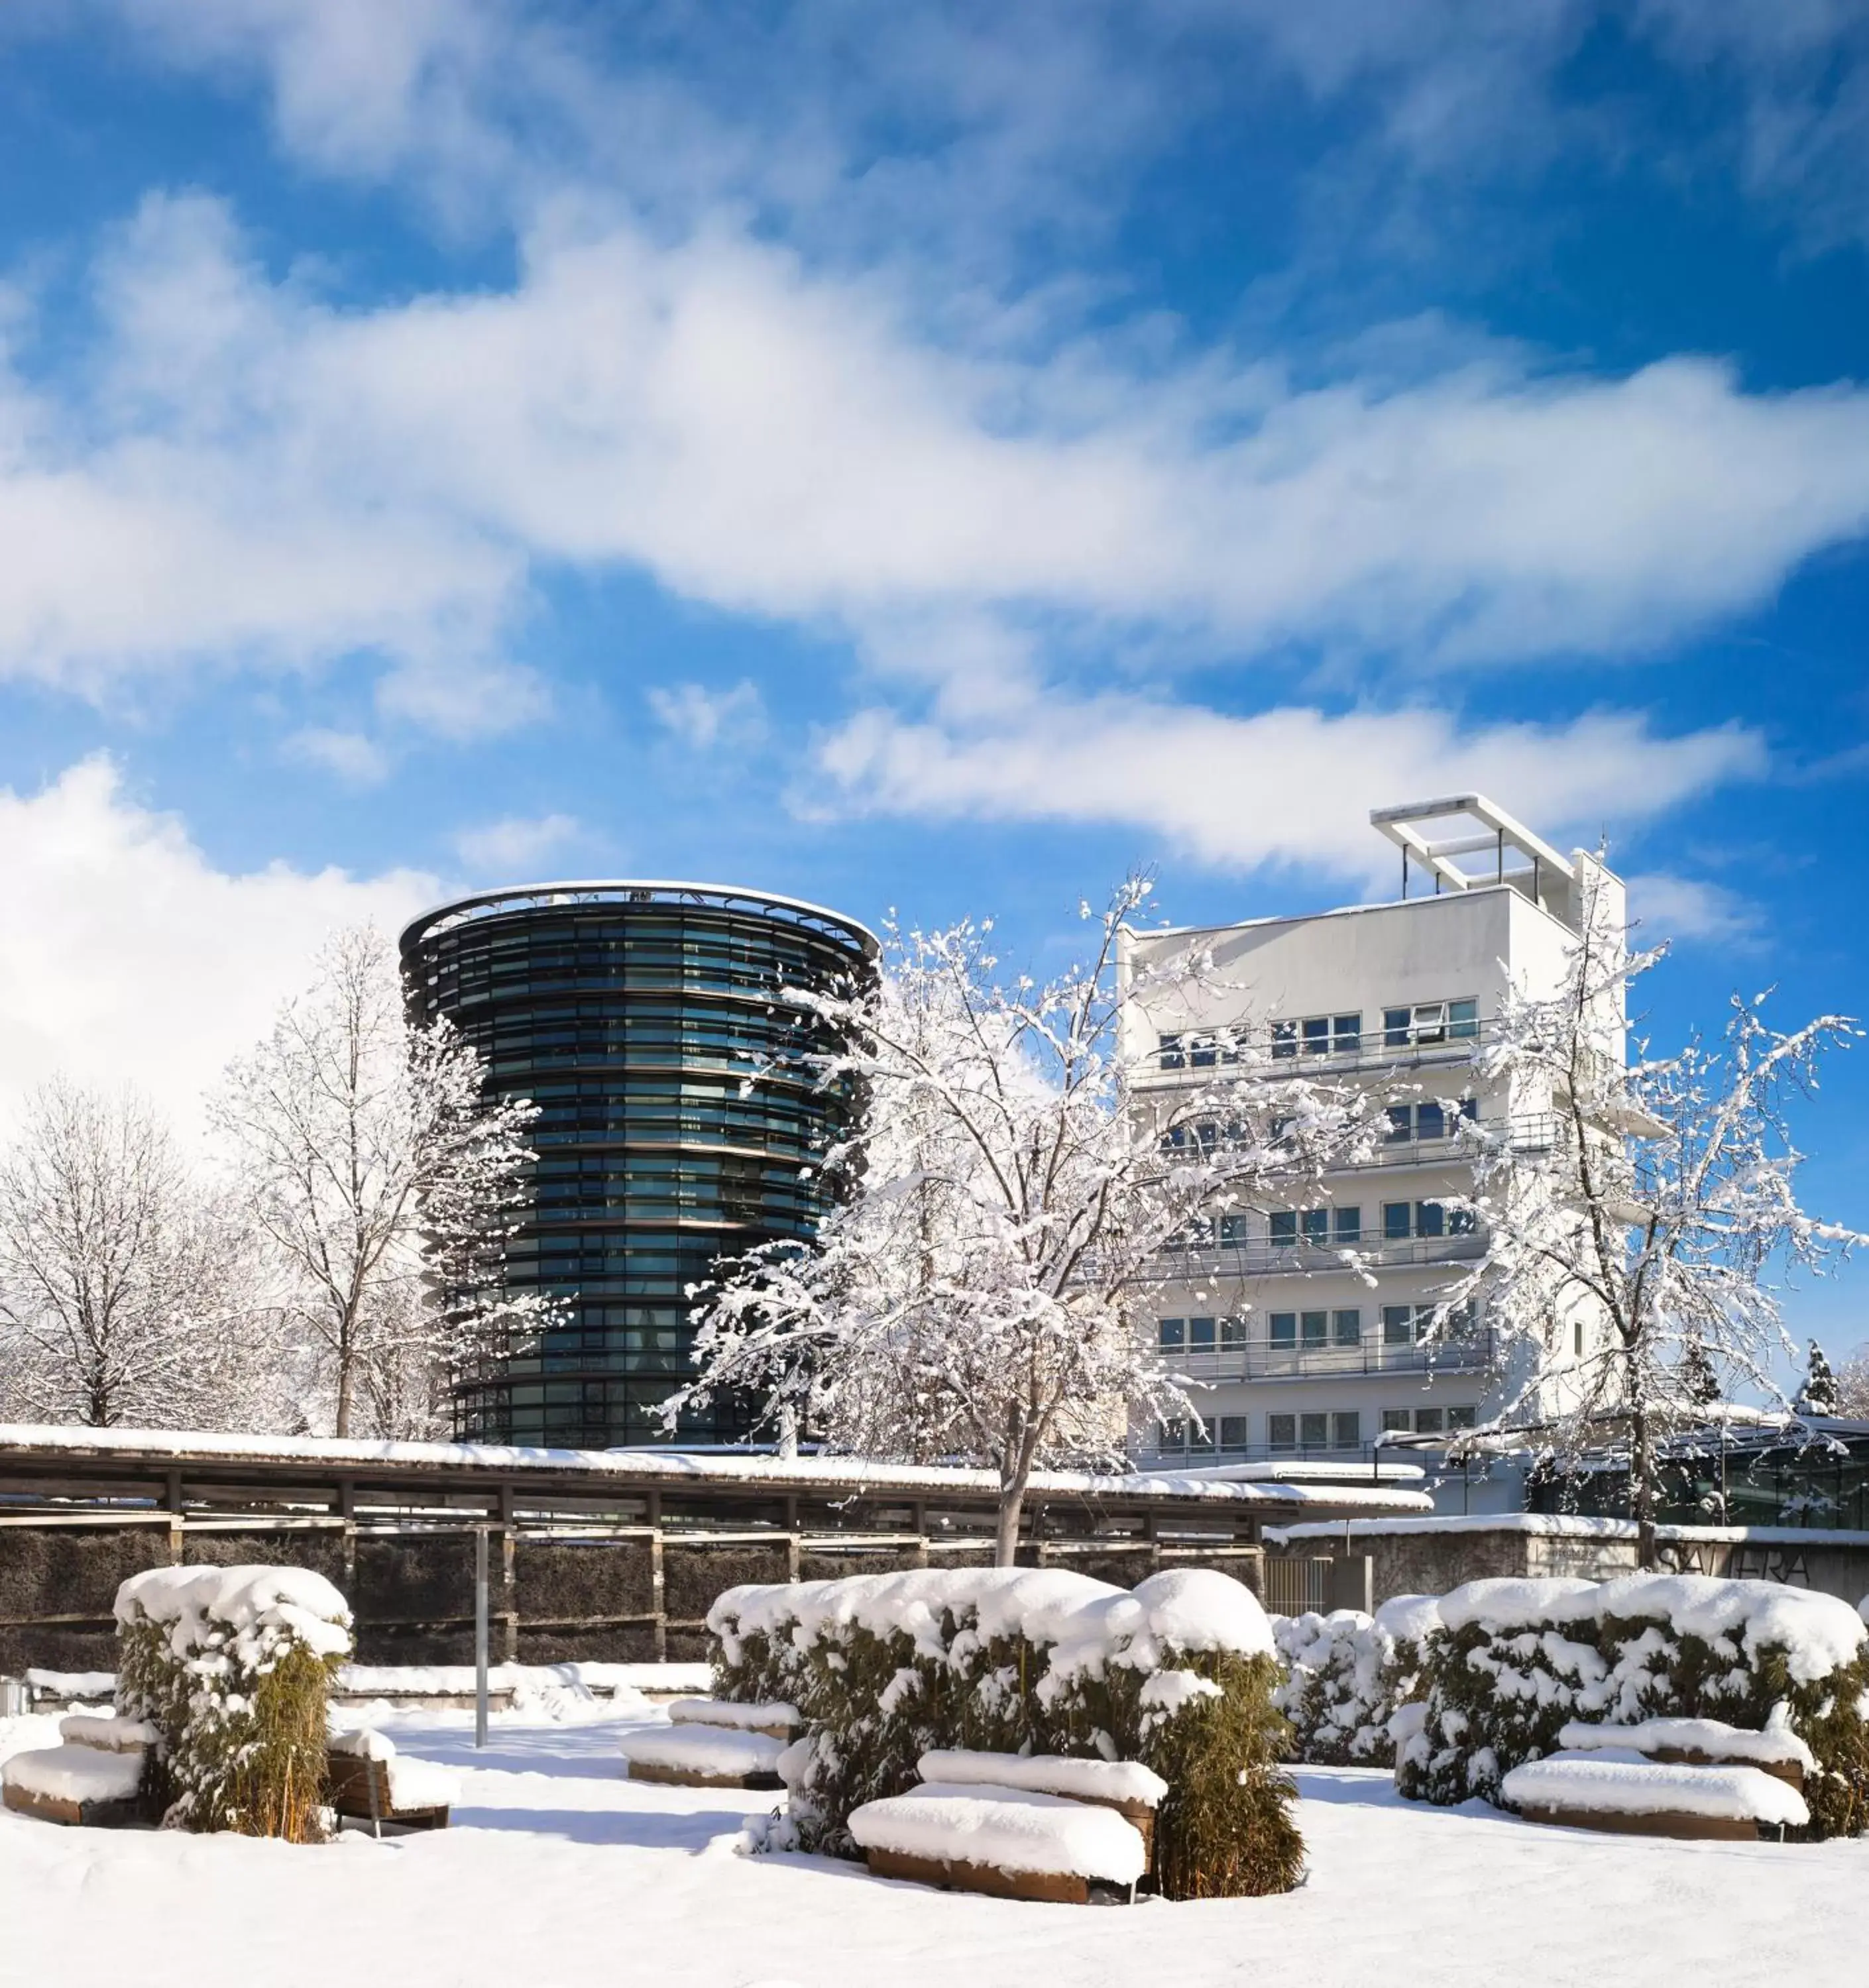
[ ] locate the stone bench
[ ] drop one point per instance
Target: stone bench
(1623, 1791)
(1134, 1791)
(366, 1780)
(1009, 1843)
(691, 1755)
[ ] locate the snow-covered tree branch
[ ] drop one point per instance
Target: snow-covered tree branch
(1639, 1216)
(386, 1186)
(1012, 1182)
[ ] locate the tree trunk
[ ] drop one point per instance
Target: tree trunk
(1012, 1509)
(345, 1388)
(1642, 1488)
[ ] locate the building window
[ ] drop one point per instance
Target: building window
(1428, 1022)
(1172, 1055)
(1346, 1430)
(1314, 1225)
(1461, 1419)
(1171, 1334)
(1429, 1422)
(1428, 1220)
(1318, 1035)
(1284, 1331)
(1200, 1335)
(1399, 1324)
(1313, 1431)
(1346, 1327)
(1232, 1335)
(1233, 1432)
(1285, 1227)
(1232, 1230)
(1346, 1225)
(1312, 1327)
(1394, 1419)
(1281, 1431)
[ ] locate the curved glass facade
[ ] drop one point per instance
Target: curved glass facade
(633, 1015)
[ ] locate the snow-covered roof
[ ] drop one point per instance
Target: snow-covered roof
(678, 1466)
(1550, 1525)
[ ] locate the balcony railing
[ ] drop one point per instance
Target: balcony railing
(1259, 1359)
(1194, 1455)
(1374, 1049)
(1262, 1258)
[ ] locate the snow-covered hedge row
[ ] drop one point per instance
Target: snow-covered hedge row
(232, 1666)
(1344, 1675)
(1177, 1673)
(1512, 1662)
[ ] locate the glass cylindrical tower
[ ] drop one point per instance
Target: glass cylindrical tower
(635, 1015)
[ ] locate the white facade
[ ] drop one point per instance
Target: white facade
(1305, 1354)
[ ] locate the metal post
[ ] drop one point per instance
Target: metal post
(480, 1638)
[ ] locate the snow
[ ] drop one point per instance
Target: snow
(108, 1733)
(1047, 1773)
(415, 1783)
(68, 1684)
(75, 1774)
(243, 1599)
(1819, 1633)
(675, 1466)
(1559, 1526)
(1084, 1624)
(1010, 1829)
(1710, 1736)
(703, 1750)
(1407, 1618)
(557, 1870)
(724, 1712)
(1642, 1787)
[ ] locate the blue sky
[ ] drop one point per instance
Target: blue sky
(935, 456)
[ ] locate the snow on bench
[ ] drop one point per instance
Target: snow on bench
(1014, 1843)
(83, 1785)
(107, 1733)
(1131, 1789)
(367, 1779)
(1112, 1782)
(1702, 1743)
(776, 1721)
(1618, 1789)
(703, 1756)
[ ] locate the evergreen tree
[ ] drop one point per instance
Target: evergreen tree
(1818, 1395)
(1700, 1383)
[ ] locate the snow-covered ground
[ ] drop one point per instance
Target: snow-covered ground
(559, 1874)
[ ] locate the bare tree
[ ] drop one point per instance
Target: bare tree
(123, 1293)
(1632, 1252)
(385, 1184)
(971, 1295)
(1852, 1386)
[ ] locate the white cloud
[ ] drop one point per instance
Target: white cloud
(130, 957)
(350, 755)
(506, 851)
(1690, 907)
(260, 475)
(703, 718)
(1287, 786)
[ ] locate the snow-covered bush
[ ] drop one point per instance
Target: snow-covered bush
(1512, 1662)
(232, 1666)
(1177, 1673)
(1345, 1673)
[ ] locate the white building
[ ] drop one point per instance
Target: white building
(1308, 1355)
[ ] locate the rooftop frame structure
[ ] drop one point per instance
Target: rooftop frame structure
(1497, 832)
